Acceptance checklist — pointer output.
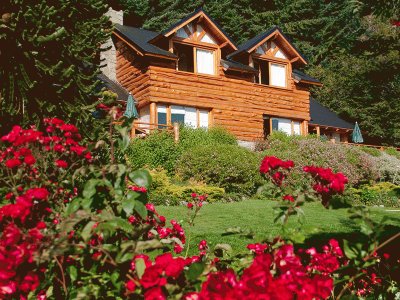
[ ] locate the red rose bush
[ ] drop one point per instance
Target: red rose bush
(73, 229)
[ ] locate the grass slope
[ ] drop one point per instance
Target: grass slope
(320, 224)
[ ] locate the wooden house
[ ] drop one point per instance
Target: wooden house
(195, 74)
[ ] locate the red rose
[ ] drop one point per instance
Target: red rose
(189, 205)
(38, 193)
(289, 198)
(29, 160)
(130, 286)
(13, 163)
(155, 293)
(61, 164)
(153, 277)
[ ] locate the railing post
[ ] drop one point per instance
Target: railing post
(176, 132)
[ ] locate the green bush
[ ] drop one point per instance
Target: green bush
(393, 151)
(156, 150)
(383, 193)
(159, 149)
(164, 191)
(371, 151)
(231, 167)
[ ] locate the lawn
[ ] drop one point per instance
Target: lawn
(257, 216)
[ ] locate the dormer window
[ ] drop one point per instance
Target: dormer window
(195, 59)
(270, 73)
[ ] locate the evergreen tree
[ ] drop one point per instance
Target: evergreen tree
(49, 57)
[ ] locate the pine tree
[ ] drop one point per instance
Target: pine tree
(49, 57)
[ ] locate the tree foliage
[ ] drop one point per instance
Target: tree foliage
(352, 47)
(49, 57)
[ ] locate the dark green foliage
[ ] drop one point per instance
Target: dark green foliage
(231, 167)
(352, 48)
(160, 150)
(49, 58)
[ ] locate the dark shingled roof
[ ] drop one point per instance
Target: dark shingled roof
(323, 116)
(236, 66)
(255, 40)
(113, 87)
(297, 74)
(191, 15)
(141, 37)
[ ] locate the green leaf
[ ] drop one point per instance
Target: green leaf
(350, 250)
(141, 178)
(140, 208)
(140, 267)
(90, 188)
(128, 205)
(73, 272)
(195, 270)
(73, 206)
(87, 231)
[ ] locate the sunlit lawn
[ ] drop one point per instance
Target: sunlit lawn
(320, 224)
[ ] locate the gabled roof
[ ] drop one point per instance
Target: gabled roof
(236, 66)
(113, 86)
(321, 115)
(304, 78)
(197, 13)
(139, 39)
(259, 39)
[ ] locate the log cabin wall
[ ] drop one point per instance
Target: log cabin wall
(237, 105)
(132, 73)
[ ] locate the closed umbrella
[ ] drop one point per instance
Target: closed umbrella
(131, 111)
(357, 136)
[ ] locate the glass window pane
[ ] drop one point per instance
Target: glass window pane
(285, 125)
(204, 118)
(191, 117)
(278, 75)
(205, 61)
(296, 128)
(177, 114)
(275, 124)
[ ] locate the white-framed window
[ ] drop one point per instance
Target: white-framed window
(190, 116)
(287, 126)
(205, 61)
(278, 75)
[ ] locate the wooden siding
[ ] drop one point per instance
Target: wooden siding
(236, 104)
(132, 73)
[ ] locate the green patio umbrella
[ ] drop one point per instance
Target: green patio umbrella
(357, 136)
(131, 111)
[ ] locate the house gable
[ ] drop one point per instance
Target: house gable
(272, 43)
(199, 27)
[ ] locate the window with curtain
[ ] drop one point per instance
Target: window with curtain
(190, 116)
(177, 114)
(205, 61)
(286, 125)
(278, 75)
(162, 115)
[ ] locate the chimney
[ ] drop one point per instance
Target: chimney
(109, 57)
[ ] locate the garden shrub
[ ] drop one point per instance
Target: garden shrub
(380, 194)
(164, 191)
(158, 149)
(388, 168)
(393, 151)
(231, 167)
(357, 165)
(371, 151)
